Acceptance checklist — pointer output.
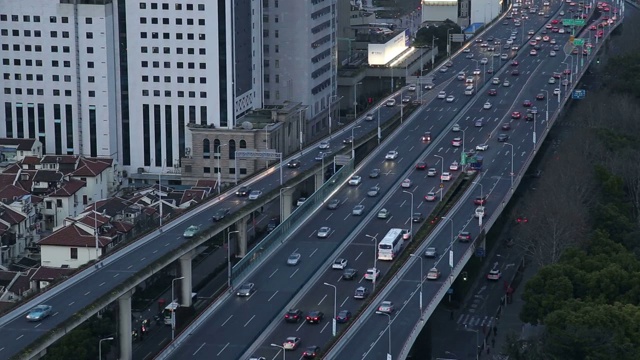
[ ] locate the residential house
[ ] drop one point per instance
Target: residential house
(13, 150)
(17, 227)
(15, 285)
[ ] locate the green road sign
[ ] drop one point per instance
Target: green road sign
(463, 159)
(573, 22)
(578, 42)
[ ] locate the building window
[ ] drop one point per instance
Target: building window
(232, 149)
(74, 253)
(243, 144)
(206, 149)
(207, 170)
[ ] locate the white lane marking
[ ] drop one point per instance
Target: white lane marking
(247, 323)
(321, 300)
(293, 273)
(314, 251)
(220, 352)
(273, 273)
(272, 296)
(201, 346)
(225, 322)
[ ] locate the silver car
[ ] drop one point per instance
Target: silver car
(324, 232)
(246, 289)
(255, 194)
(358, 210)
(293, 259)
(431, 252)
(373, 191)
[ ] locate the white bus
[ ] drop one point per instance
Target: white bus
(390, 245)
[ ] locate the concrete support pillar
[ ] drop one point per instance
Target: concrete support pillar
(242, 236)
(186, 284)
(125, 330)
(286, 202)
(319, 179)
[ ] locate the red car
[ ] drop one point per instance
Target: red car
(566, 71)
(593, 28)
(540, 96)
(527, 103)
(514, 63)
(516, 115)
(421, 166)
(464, 236)
(557, 75)
(554, 21)
(555, 29)
(480, 200)
(506, 126)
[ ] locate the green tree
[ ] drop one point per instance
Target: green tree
(546, 292)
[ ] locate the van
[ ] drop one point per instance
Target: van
(469, 90)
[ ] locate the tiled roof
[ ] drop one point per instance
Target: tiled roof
(44, 273)
(92, 219)
(59, 159)
(122, 227)
(6, 276)
(22, 283)
(32, 161)
(206, 183)
(92, 166)
(10, 216)
(7, 179)
(192, 195)
(69, 188)
(12, 169)
(22, 144)
(10, 192)
(48, 176)
(74, 236)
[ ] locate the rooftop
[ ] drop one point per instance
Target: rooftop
(19, 144)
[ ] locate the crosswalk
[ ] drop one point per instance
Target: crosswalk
(476, 321)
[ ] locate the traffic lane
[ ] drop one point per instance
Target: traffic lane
(232, 333)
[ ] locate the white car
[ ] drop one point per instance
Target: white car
(355, 180)
(450, 98)
(556, 91)
(358, 210)
(494, 274)
(373, 191)
(372, 274)
(411, 87)
(484, 61)
(506, 83)
(442, 95)
(324, 145)
(552, 80)
(552, 53)
(324, 232)
(339, 264)
(486, 106)
(368, 117)
(301, 201)
(482, 147)
(456, 142)
(479, 212)
(454, 166)
(433, 274)
(391, 102)
(293, 259)
(477, 72)
(406, 183)
(561, 31)
(431, 252)
(455, 128)
(466, 50)
(504, 56)
(533, 52)
(431, 196)
(495, 81)
(391, 155)
(445, 176)
(255, 194)
(291, 343)
(432, 172)
(385, 307)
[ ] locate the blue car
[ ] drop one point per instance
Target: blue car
(39, 312)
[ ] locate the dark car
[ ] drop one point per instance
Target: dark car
(526, 103)
(493, 92)
(515, 73)
(220, 214)
(506, 126)
(503, 137)
(315, 316)
(480, 200)
(343, 316)
(426, 137)
(348, 140)
(421, 165)
(374, 173)
(529, 117)
(540, 96)
(349, 274)
(311, 352)
(464, 236)
(293, 315)
(243, 191)
(333, 204)
(417, 217)
(273, 223)
(293, 164)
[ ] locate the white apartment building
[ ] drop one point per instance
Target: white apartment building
(300, 57)
(181, 62)
(122, 79)
(58, 83)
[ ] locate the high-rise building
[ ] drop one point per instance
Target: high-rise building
(124, 78)
(58, 82)
(299, 50)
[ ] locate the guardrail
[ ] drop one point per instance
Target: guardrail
(440, 294)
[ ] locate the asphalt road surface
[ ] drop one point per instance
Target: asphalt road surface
(240, 321)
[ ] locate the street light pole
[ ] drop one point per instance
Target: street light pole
(389, 330)
(335, 307)
(110, 338)
(355, 101)
(375, 258)
(421, 279)
(410, 212)
(379, 130)
(331, 100)
(433, 55)
(229, 257)
(512, 150)
(284, 353)
(353, 151)
(442, 170)
(547, 108)
(449, 218)
(173, 311)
